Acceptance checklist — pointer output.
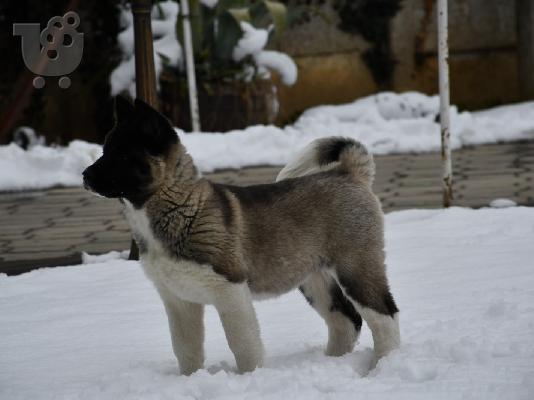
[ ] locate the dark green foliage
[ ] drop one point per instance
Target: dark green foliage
(217, 30)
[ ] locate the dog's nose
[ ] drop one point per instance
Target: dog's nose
(86, 173)
(86, 178)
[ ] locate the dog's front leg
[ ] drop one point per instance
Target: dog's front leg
(234, 305)
(187, 332)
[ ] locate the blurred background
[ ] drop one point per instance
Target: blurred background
(343, 50)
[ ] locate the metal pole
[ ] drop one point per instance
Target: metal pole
(444, 94)
(190, 66)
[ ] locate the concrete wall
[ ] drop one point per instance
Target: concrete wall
(483, 50)
(331, 69)
(483, 56)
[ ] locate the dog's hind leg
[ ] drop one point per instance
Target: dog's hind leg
(187, 332)
(366, 286)
(235, 308)
(343, 321)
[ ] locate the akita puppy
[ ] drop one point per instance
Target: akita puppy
(319, 228)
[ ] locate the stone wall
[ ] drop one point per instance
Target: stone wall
(331, 69)
(483, 50)
(483, 56)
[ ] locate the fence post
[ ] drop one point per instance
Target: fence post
(145, 75)
(444, 94)
(190, 66)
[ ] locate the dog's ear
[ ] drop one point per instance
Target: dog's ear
(123, 108)
(148, 112)
(156, 130)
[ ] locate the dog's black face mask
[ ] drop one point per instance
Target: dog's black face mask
(133, 151)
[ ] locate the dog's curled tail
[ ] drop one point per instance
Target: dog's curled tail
(346, 155)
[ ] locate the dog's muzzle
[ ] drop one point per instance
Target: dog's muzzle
(86, 179)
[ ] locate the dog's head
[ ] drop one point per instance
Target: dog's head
(139, 154)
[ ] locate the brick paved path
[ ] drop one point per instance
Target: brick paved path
(53, 227)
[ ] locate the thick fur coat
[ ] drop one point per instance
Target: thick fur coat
(319, 229)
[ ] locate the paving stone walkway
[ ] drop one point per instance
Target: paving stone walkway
(52, 227)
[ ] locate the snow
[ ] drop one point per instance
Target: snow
(279, 62)
(502, 203)
(42, 167)
(209, 3)
(252, 44)
(100, 258)
(386, 123)
(462, 278)
(167, 50)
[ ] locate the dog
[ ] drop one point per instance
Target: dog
(319, 228)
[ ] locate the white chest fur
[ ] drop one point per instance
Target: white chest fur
(185, 279)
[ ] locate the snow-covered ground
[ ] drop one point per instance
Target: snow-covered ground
(385, 123)
(463, 279)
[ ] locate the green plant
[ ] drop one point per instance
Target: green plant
(217, 30)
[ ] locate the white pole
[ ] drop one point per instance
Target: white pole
(444, 94)
(190, 66)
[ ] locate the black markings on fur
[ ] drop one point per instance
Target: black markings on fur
(123, 171)
(390, 304)
(330, 150)
(309, 299)
(379, 300)
(223, 203)
(343, 305)
(175, 221)
(251, 196)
